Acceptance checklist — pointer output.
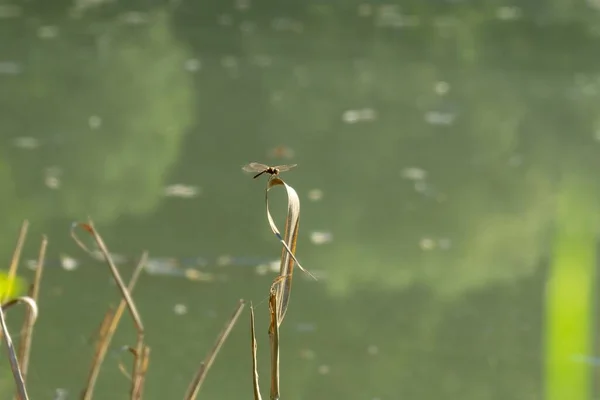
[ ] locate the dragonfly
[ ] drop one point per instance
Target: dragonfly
(262, 168)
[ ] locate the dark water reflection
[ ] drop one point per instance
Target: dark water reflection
(447, 156)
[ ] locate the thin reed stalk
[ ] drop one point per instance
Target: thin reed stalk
(198, 380)
(274, 340)
(140, 367)
(135, 315)
(12, 355)
(255, 384)
(16, 257)
(27, 329)
(107, 330)
(126, 296)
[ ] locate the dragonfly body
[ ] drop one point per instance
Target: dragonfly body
(263, 168)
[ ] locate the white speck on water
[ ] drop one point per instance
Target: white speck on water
(182, 191)
(508, 13)
(365, 10)
(281, 24)
(242, 5)
(10, 11)
(274, 266)
(372, 350)
(134, 18)
(262, 60)
(262, 269)
(439, 117)
(315, 194)
(161, 266)
(224, 260)
(117, 258)
(324, 369)
(414, 173)
(351, 116)
(307, 354)
(68, 263)
(195, 275)
(52, 177)
(354, 116)
(594, 4)
(367, 114)
(180, 309)
(441, 88)
(444, 243)
(95, 122)
(25, 142)
(10, 68)
(225, 20)
(390, 16)
(427, 244)
(281, 151)
(421, 187)
(192, 65)
(321, 237)
(31, 264)
(48, 32)
(52, 182)
(60, 394)
(276, 97)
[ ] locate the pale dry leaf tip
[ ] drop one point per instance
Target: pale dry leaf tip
(29, 301)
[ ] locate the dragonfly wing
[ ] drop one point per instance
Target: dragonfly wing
(254, 167)
(283, 168)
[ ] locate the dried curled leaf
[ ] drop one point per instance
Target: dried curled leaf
(288, 258)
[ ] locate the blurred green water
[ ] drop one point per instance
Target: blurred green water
(437, 132)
